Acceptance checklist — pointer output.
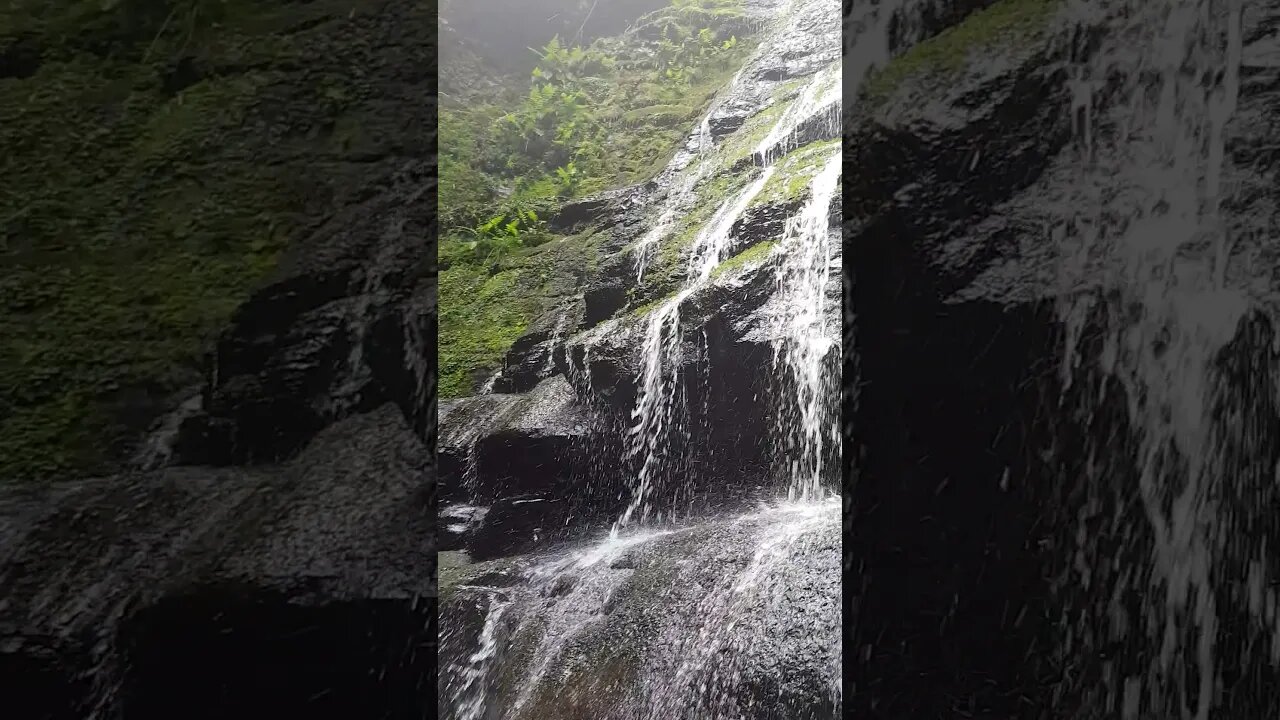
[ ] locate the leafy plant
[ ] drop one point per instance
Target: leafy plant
(499, 236)
(568, 178)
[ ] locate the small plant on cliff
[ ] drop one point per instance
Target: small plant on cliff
(568, 179)
(500, 235)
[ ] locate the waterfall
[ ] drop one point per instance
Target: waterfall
(678, 197)
(1151, 106)
(669, 623)
(811, 427)
(660, 398)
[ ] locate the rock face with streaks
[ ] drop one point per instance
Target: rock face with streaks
(280, 535)
(993, 226)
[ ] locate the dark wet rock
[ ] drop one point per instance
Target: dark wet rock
(602, 301)
(539, 423)
(927, 166)
(949, 152)
(731, 115)
(342, 329)
(602, 210)
(941, 244)
(759, 224)
(533, 357)
(515, 524)
(102, 579)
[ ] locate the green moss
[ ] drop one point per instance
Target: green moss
(464, 192)
(751, 256)
(482, 314)
(136, 214)
(480, 317)
(743, 143)
(626, 130)
(794, 172)
(1007, 22)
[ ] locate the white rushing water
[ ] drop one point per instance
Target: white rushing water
(476, 674)
(809, 420)
(660, 393)
(679, 197)
(1150, 224)
(810, 425)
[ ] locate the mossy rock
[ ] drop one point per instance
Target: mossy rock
(1006, 23)
(752, 256)
(794, 172)
(160, 158)
(482, 313)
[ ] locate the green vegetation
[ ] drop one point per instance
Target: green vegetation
(1010, 23)
(595, 117)
(484, 314)
(485, 308)
(751, 256)
(158, 157)
(607, 115)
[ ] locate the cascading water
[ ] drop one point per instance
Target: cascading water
(1150, 219)
(810, 427)
(676, 199)
(476, 675)
(699, 620)
(660, 400)
(659, 406)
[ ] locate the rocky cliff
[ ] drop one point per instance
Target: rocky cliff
(220, 223)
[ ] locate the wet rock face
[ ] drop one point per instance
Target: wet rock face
(522, 458)
(90, 571)
(343, 330)
(931, 162)
(939, 243)
(721, 602)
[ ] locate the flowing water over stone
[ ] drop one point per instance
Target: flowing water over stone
(810, 425)
(658, 411)
(724, 613)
